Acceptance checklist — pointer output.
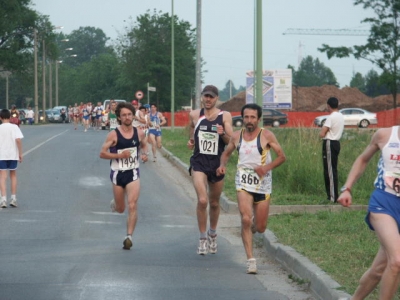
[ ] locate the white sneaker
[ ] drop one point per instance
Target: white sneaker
(3, 204)
(251, 266)
(203, 247)
(13, 203)
(212, 243)
(112, 205)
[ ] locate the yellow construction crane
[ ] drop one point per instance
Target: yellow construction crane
(313, 31)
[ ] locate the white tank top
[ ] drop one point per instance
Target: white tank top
(136, 123)
(388, 178)
(252, 154)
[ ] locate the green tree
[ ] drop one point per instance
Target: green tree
(17, 21)
(312, 72)
(87, 42)
(382, 47)
(375, 84)
(358, 81)
(146, 54)
(229, 91)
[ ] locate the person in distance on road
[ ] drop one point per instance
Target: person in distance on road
(383, 214)
(122, 147)
(10, 154)
(99, 109)
(253, 176)
(210, 130)
(156, 121)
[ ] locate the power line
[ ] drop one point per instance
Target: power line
(313, 31)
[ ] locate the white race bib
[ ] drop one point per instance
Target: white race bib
(392, 180)
(129, 163)
(113, 123)
(208, 142)
(248, 178)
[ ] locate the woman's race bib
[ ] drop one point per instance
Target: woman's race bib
(208, 142)
(129, 163)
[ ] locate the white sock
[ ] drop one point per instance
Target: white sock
(13, 197)
(3, 198)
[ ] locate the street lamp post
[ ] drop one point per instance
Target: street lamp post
(35, 75)
(57, 63)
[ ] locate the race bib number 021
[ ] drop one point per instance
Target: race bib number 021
(130, 162)
(208, 142)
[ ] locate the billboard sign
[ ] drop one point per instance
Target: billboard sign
(277, 88)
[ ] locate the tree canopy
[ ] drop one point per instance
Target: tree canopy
(312, 72)
(146, 56)
(382, 47)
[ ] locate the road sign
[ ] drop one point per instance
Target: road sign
(151, 89)
(139, 95)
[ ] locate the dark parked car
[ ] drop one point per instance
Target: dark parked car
(49, 116)
(271, 117)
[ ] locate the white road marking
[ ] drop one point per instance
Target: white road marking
(41, 144)
(177, 226)
(101, 222)
(106, 213)
(24, 221)
(93, 181)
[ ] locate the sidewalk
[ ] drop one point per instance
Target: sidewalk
(321, 284)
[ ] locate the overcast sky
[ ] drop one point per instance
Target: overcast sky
(227, 30)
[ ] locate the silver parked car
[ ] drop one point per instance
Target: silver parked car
(352, 117)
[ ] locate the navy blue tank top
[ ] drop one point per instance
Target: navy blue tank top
(208, 144)
(123, 143)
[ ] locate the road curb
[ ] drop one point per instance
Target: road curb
(321, 284)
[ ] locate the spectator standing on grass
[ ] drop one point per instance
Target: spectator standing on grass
(331, 132)
(10, 154)
(383, 214)
(210, 131)
(253, 176)
(30, 115)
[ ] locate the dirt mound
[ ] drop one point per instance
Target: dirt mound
(314, 99)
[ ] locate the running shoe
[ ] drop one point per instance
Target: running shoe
(212, 243)
(251, 266)
(155, 159)
(3, 204)
(203, 247)
(13, 203)
(127, 243)
(112, 205)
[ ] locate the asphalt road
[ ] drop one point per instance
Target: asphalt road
(63, 242)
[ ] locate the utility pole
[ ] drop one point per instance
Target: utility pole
(44, 79)
(198, 55)
(36, 79)
(259, 71)
(172, 66)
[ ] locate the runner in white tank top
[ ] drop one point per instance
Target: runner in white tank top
(253, 177)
